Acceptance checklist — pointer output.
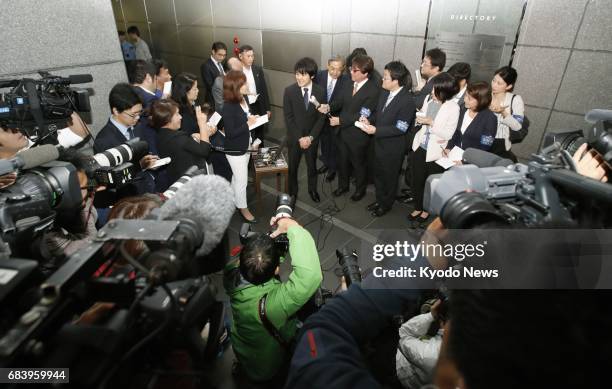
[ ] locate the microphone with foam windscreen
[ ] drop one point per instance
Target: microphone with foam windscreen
(208, 200)
(483, 158)
(29, 158)
(313, 100)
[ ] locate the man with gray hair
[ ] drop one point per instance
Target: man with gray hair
(332, 81)
(217, 87)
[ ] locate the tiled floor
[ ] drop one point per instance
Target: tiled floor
(352, 227)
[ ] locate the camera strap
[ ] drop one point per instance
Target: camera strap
(268, 325)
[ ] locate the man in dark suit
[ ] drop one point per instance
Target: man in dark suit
(433, 63)
(259, 102)
(126, 108)
(304, 124)
(394, 117)
(462, 71)
(357, 99)
(332, 81)
(212, 68)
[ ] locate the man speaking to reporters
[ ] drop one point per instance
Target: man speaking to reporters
(263, 307)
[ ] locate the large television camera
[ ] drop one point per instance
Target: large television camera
(41, 107)
(547, 191)
(129, 323)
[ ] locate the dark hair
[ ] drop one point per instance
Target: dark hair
(219, 46)
(133, 30)
(121, 32)
(141, 69)
(398, 71)
(481, 91)
(122, 97)
(364, 63)
(306, 65)
(75, 157)
(461, 71)
(159, 65)
(485, 322)
(437, 58)
(232, 82)
(135, 207)
(181, 85)
(161, 112)
(508, 74)
(258, 259)
(244, 48)
(444, 86)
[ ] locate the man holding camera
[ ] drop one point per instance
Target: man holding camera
(263, 307)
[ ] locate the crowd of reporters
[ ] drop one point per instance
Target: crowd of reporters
(276, 340)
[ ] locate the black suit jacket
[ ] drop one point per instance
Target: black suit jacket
(236, 128)
(321, 80)
(419, 97)
(395, 120)
(480, 134)
(366, 97)
(109, 136)
(209, 71)
(262, 105)
(299, 120)
(189, 123)
(184, 151)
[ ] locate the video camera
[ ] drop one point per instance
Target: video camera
(154, 311)
(41, 107)
(546, 191)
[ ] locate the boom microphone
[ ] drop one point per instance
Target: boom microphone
(482, 158)
(185, 178)
(29, 158)
(208, 200)
(313, 100)
(80, 78)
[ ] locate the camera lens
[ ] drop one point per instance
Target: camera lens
(284, 205)
(350, 266)
(467, 210)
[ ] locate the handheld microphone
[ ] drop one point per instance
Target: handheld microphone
(208, 200)
(313, 100)
(482, 158)
(29, 158)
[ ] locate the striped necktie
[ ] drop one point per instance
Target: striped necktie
(330, 89)
(354, 89)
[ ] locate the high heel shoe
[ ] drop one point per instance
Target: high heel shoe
(252, 221)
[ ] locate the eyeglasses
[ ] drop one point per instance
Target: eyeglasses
(133, 115)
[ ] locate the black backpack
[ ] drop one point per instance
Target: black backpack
(518, 136)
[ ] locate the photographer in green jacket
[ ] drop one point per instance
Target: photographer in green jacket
(263, 307)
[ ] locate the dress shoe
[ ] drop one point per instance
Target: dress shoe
(372, 206)
(358, 196)
(322, 169)
(415, 217)
(314, 196)
(330, 176)
(340, 191)
(378, 212)
(407, 199)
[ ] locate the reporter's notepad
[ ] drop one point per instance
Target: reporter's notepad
(263, 119)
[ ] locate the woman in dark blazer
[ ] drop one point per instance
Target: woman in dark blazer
(185, 150)
(236, 121)
(185, 92)
(477, 125)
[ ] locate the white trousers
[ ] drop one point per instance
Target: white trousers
(240, 177)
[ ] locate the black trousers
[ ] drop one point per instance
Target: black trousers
(353, 159)
(408, 171)
(387, 165)
(420, 171)
(295, 156)
(328, 148)
(258, 132)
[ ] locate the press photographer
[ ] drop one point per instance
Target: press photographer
(263, 306)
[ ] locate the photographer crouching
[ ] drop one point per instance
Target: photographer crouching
(263, 307)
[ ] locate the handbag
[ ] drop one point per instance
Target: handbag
(518, 136)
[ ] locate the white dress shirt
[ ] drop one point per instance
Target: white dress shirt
(359, 84)
(217, 65)
(250, 80)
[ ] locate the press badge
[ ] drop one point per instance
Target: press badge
(365, 112)
(486, 140)
(402, 125)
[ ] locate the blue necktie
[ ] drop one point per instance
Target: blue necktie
(130, 132)
(306, 101)
(330, 90)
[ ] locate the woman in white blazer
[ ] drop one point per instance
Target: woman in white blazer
(429, 143)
